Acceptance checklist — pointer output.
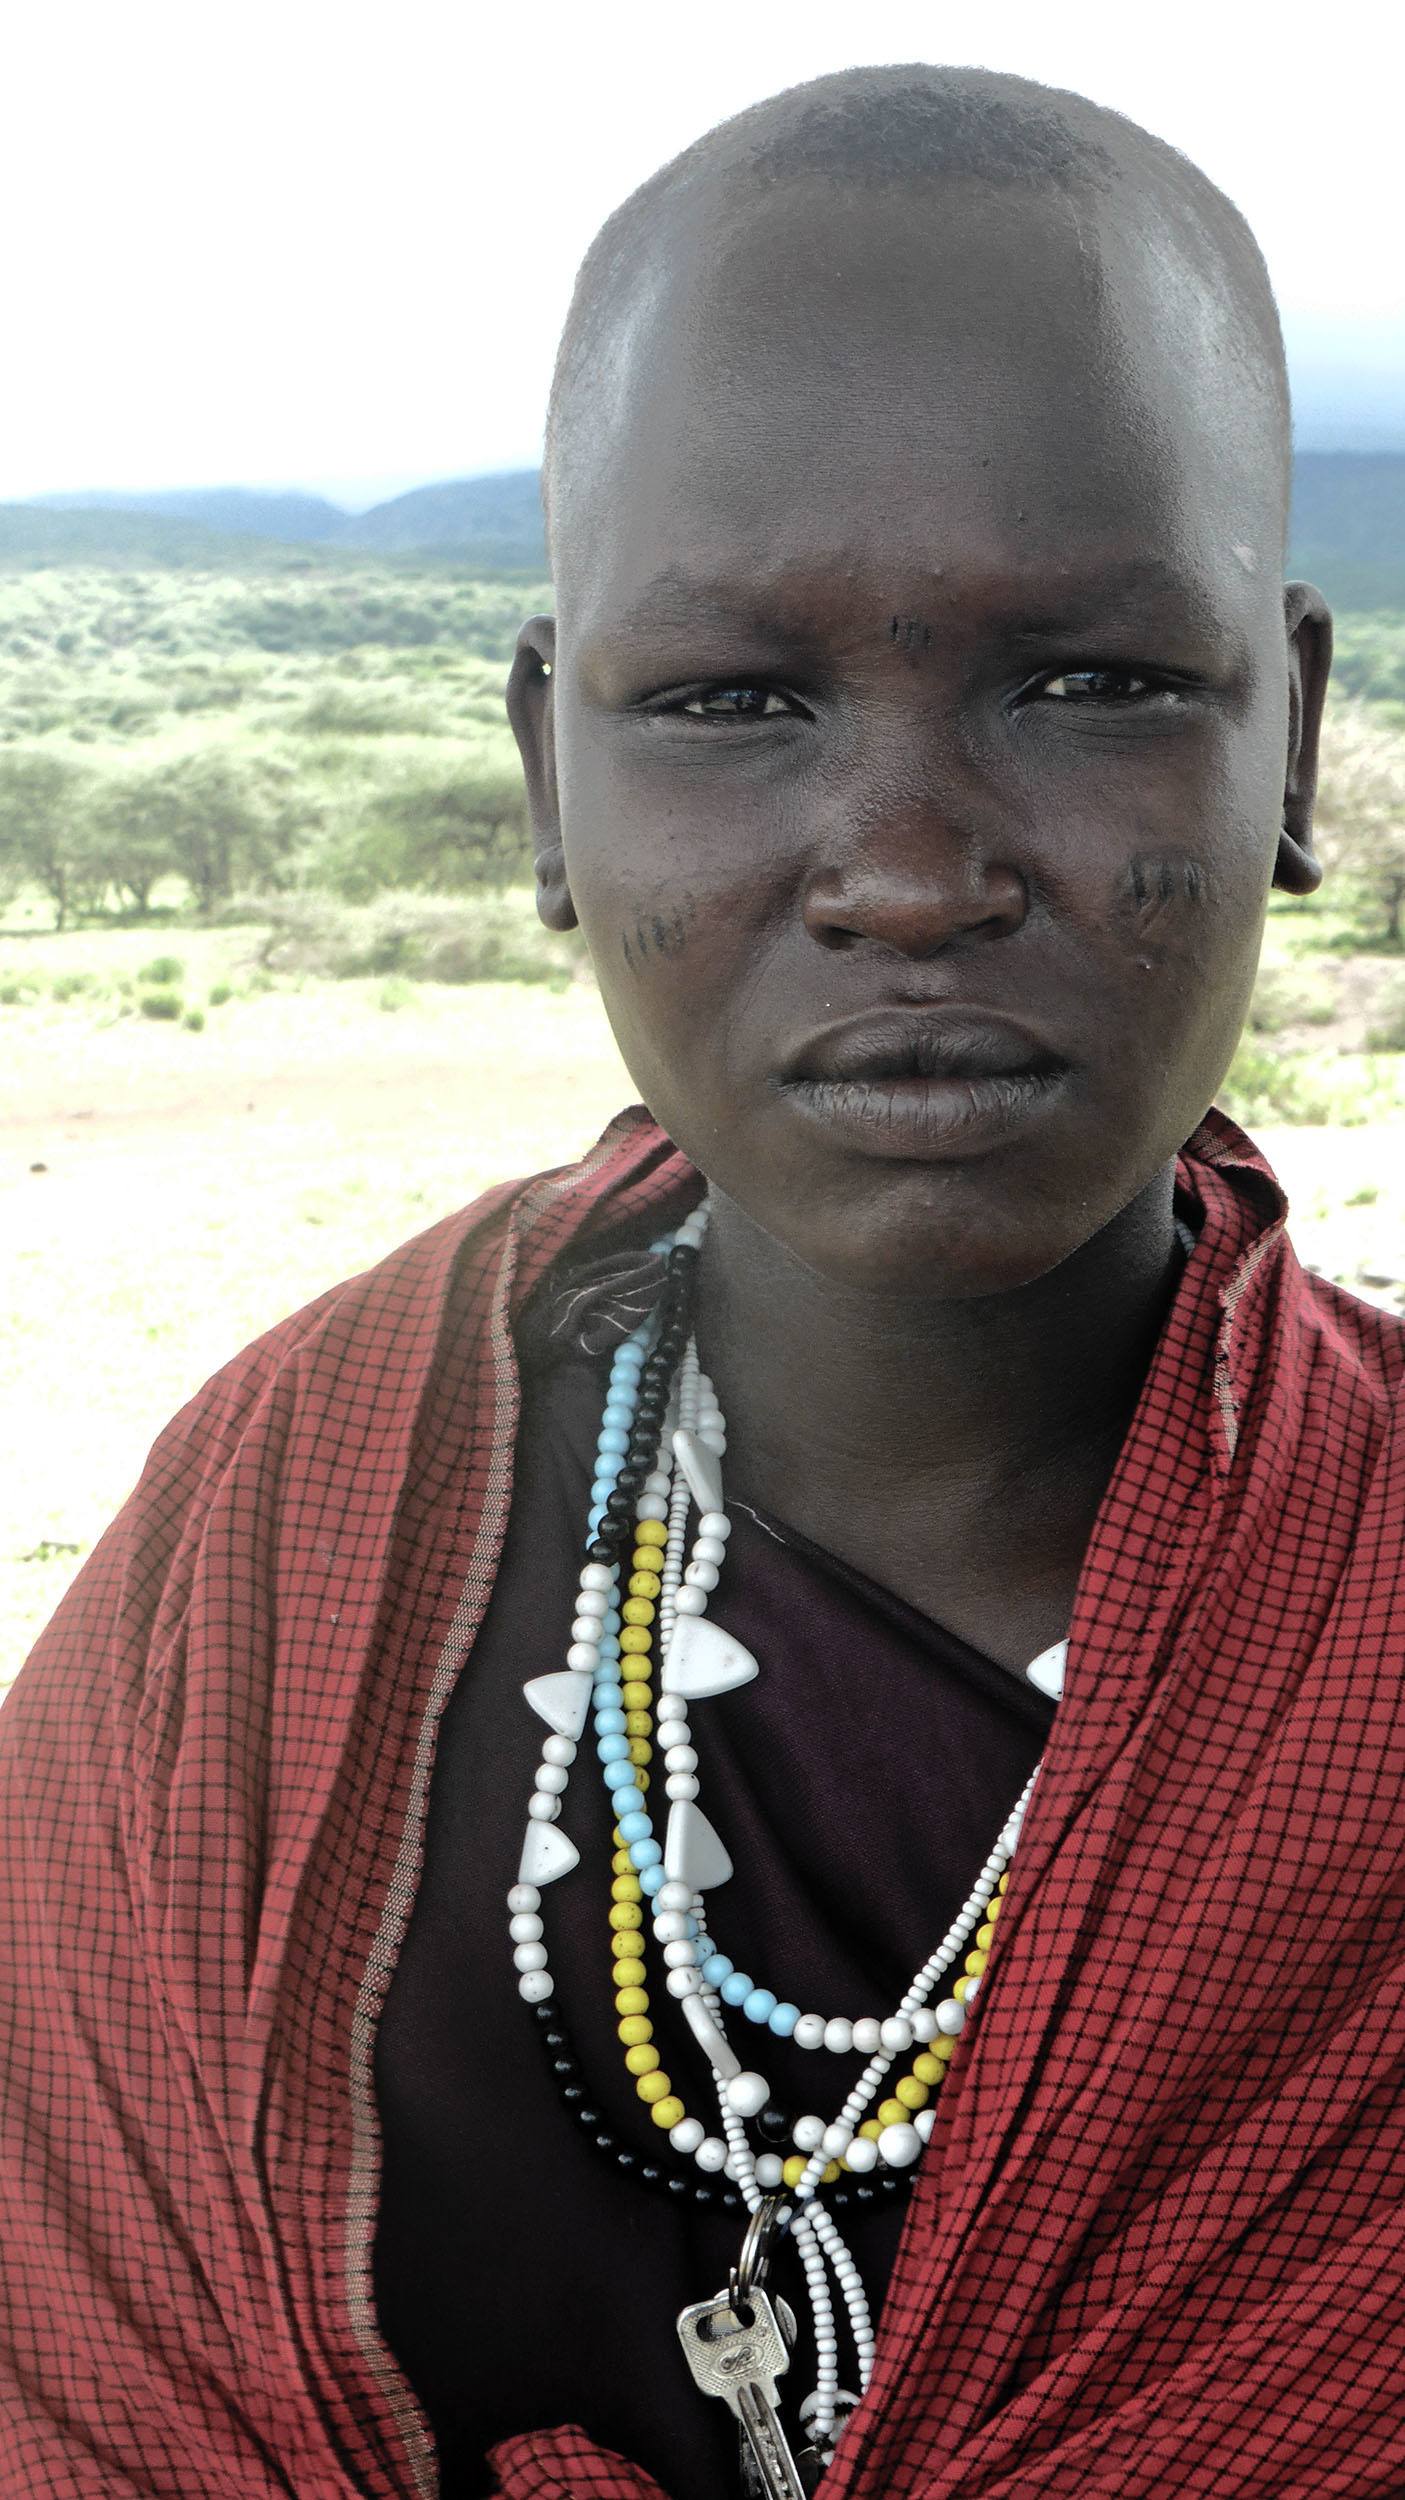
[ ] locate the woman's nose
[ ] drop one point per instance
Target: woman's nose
(914, 883)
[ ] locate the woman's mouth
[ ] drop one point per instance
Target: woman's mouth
(914, 1087)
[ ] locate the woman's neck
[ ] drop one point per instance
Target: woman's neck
(957, 1451)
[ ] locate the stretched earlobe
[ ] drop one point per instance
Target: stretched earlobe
(1297, 868)
(531, 692)
(1308, 627)
(555, 909)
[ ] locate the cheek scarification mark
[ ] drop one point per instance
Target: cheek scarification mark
(1160, 899)
(1157, 885)
(662, 934)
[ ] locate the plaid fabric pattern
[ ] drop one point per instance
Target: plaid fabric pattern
(1158, 2242)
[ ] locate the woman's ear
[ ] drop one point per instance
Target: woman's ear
(1307, 621)
(530, 710)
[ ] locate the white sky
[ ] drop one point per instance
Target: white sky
(330, 243)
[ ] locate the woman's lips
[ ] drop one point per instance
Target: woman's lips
(915, 1118)
(922, 1087)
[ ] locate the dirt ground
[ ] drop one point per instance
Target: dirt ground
(165, 1195)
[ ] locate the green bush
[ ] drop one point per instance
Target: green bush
(163, 1006)
(1387, 1030)
(1266, 1085)
(71, 985)
(221, 994)
(163, 971)
(494, 938)
(1286, 994)
(194, 1020)
(341, 711)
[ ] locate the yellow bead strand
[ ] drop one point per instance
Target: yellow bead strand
(636, 2031)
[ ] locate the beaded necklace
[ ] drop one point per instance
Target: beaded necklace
(658, 1462)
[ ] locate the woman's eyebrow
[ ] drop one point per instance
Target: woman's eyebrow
(683, 599)
(1098, 594)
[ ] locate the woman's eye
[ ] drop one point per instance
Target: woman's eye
(1084, 685)
(735, 703)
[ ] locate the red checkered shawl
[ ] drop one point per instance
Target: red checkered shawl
(1159, 2240)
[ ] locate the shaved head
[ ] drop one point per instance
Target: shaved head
(1151, 228)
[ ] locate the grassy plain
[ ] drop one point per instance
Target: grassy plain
(165, 1195)
(167, 1192)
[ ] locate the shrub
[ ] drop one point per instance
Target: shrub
(1266, 1085)
(163, 970)
(194, 1020)
(221, 994)
(1361, 816)
(338, 711)
(496, 938)
(1388, 1026)
(1287, 994)
(163, 1006)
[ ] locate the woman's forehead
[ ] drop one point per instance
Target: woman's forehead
(981, 380)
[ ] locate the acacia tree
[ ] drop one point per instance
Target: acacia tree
(1361, 814)
(448, 827)
(461, 828)
(218, 821)
(131, 840)
(44, 830)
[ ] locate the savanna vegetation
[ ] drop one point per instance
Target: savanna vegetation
(337, 731)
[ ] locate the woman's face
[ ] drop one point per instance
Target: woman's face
(918, 724)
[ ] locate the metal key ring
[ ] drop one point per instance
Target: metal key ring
(750, 2272)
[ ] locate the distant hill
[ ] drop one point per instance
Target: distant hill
(1348, 532)
(1348, 527)
(247, 512)
(491, 523)
(33, 536)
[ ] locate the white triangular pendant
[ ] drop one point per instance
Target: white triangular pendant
(700, 1467)
(1047, 1670)
(693, 1854)
(546, 1853)
(703, 1660)
(563, 1700)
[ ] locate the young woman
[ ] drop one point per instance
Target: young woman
(925, 1946)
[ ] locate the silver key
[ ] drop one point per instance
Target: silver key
(740, 2359)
